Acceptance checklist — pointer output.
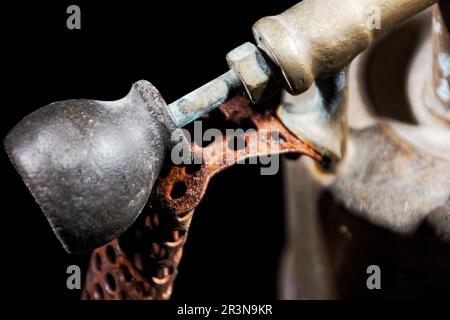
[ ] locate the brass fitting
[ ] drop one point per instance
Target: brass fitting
(322, 37)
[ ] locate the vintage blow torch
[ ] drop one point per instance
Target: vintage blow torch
(91, 165)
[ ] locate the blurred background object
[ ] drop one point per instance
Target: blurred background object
(388, 202)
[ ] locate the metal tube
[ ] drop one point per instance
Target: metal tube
(204, 99)
(322, 37)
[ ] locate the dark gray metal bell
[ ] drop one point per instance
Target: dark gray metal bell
(91, 165)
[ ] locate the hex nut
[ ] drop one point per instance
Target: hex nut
(251, 67)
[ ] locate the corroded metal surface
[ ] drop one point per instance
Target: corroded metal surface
(143, 263)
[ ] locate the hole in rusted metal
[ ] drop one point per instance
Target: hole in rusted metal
(110, 282)
(138, 263)
(98, 262)
(178, 190)
(155, 249)
(148, 222)
(165, 271)
(162, 253)
(98, 293)
(111, 254)
(126, 273)
(155, 220)
(162, 275)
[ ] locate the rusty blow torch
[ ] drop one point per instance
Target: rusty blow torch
(91, 165)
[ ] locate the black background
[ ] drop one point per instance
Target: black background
(237, 233)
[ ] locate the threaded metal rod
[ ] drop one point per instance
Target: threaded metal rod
(204, 99)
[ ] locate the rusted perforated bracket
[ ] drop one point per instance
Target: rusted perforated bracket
(143, 263)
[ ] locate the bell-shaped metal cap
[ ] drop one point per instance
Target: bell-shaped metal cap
(90, 164)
